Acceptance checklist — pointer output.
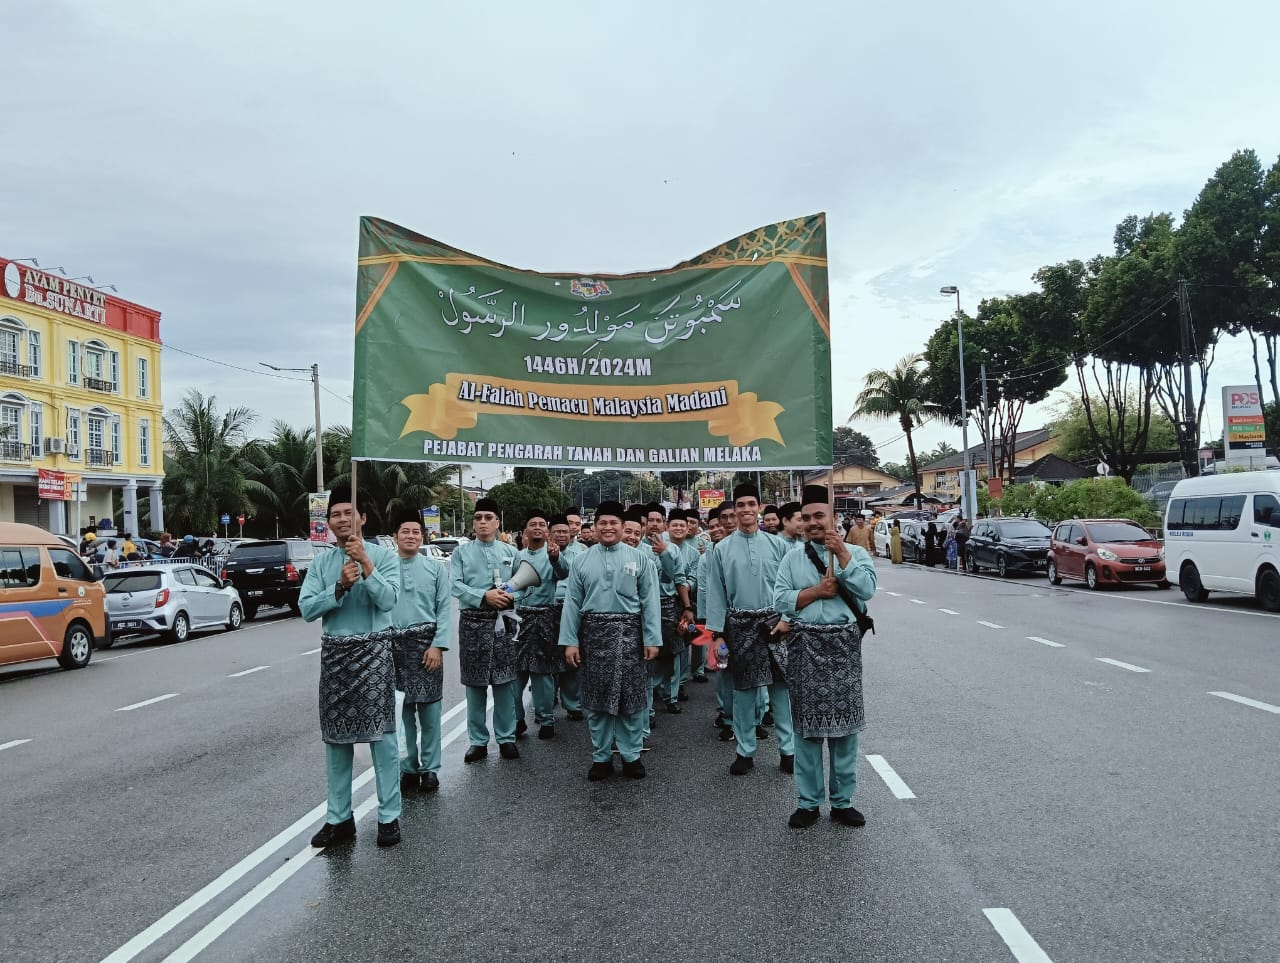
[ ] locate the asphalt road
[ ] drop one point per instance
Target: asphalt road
(1057, 806)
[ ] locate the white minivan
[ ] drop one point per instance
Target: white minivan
(1222, 534)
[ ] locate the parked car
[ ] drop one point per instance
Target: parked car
(1008, 545)
(269, 572)
(913, 547)
(1222, 534)
(1158, 495)
(430, 551)
(880, 538)
(447, 545)
(50, 605)
(1105, 551)
(170, 600)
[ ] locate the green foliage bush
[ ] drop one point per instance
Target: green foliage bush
(1086, 498)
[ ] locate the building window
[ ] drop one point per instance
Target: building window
(103, 448)
(144, 442)
(10, 429)
(143, 381)
(115, 439)
(114, 359)
(8, 351)
(35, 415)
(101, 367)
(73, 433)
(73, 362)
(33, 353)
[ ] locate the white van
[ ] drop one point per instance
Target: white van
(1222, 534)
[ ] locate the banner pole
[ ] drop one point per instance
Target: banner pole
(831, 511)
(355, 509)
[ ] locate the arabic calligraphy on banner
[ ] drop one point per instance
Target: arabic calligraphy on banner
(720, 362)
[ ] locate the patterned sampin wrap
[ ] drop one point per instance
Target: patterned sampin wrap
(749, 656)
(484, 658)
(539, 649)
(357, 687)
(407, 648)
(824, 674)
(613, 675)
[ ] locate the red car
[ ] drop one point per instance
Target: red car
(1105, 551)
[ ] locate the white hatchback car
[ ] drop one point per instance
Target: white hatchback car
(170, 600)
(880, 538)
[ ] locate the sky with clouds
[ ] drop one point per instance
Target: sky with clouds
(212, 160)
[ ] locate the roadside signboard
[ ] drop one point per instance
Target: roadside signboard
(318, 515)
(709, 498)
(1244, 433)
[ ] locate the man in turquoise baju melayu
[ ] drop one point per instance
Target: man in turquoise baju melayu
(792, 522)
(570, 548)
(423, 622)
(353, 589)
(664, 671)
(739, 589)
(539, 655)
(823, 659)
(720, 524)
(486, 638)
(691, 663)
(611, 630)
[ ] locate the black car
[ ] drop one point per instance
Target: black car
(269, 572)
(1008, 545)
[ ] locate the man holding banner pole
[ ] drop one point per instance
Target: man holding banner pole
(822, 590)
(570, 548)
(539, 657)
(486, 632)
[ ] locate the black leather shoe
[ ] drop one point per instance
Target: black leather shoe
(762, 732)
(726, 734)
(673, 708)
(430, 782)
(682, 695)
(521, 728)
(848, 817)
(803, 818)
(719, 722)
(475, 753)
(546, 732)
(331, 833)
(389, 833)
(409, 781)
(700, 679)
(633, 770)
(576, 715)
(787, 764)
(508, 750)
(768, 718)
(741, 766)
(600, 770)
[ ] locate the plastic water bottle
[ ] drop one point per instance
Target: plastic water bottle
(722, 654)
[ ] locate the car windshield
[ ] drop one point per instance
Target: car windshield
(261, 550)
(1023, 529)
(132, 582)
(1117, 532)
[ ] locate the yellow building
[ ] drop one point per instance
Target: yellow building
(941, 479)
(853, 485)
(80, 408)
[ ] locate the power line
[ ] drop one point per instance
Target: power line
(227, 364)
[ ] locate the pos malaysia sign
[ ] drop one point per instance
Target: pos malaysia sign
(1244, 432)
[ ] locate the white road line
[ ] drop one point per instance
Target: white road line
(15, 742)
(311, 652)
(891, 778)
(917, 601)
(1123, 665)
(949, 611)
(241, 907)
(256, 668)
(1015, 936)
(1243, 700)
(990, 625)
(1049, 642)
(148, 702)
(894, 594)
(194, 903)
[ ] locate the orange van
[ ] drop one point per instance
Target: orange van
(51, 607)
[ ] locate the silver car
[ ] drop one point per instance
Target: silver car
(172, 600)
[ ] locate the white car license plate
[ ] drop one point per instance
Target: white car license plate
(1142, 568)
(255, 593)
(127, 624)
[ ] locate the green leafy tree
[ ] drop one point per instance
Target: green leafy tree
(898, 471)
(384, 487)
(280, 472)
(851, 447)
(1076, 442)
(1086, 498)
(901, 394)
(204, 463)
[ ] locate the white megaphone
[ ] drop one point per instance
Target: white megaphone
(526, 576)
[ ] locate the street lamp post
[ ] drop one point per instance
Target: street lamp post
(965, 501)
(315, 388)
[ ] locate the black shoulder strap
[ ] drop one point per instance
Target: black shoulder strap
(865, 622)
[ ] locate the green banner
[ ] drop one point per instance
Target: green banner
(722, 362)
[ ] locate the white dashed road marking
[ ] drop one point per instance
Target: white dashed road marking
(891, 778)
(256, 668)
(1049, 642)
(311, 652)
(917, 601)
(148, 702)
(15, 742)
(894, 594)
(1123, 665)
(1015, 936)
(990, 625)
(1243, 700)
(949, 611)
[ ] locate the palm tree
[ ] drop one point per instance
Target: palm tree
(901, 394)
(280, 472)
(204, 462)
(386, 486)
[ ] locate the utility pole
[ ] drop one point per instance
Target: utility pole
(986, 424)
(1187, 429)
(315, 385)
